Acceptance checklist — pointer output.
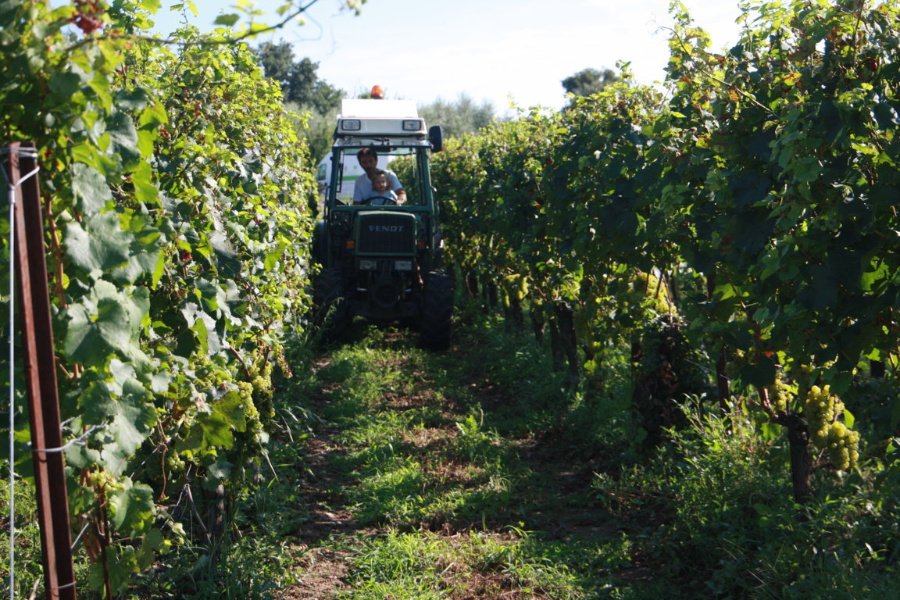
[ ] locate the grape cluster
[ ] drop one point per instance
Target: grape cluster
(522, 292)
(89, 17)
(784, 396)
(822, 409)
(246, 391)
(262, 390)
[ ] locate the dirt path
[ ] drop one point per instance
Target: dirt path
(403, 456)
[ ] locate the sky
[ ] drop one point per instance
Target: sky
(511, 53)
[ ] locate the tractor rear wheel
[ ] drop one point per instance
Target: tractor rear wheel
(331, 309)
(437, 310)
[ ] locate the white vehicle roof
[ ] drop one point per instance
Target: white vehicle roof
(376, 121)
(379, 109)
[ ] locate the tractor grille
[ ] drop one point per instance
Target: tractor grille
(386, 233)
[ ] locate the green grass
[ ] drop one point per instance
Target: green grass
(428, 565)
(27, 564)
(480, 473)
(433, 468)
(447, 460)
(408, 461)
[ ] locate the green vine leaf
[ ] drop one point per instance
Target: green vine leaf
(124, 417)
(131, 508)
(90, 190)
(227, 20)
(99, 245)
(124, 138)
(106, 322)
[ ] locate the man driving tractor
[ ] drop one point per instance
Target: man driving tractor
(368, 160)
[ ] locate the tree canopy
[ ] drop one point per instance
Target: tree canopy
(459, 117)
(299, 80)
(589, 81)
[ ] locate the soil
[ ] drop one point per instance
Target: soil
(555, 503)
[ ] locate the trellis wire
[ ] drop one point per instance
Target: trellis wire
(12, 388)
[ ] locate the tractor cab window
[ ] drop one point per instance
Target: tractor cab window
(402, 162)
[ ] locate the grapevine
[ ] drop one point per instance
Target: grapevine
(177, 194)
(762, 192)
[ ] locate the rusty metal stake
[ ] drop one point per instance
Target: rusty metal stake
(40, 376)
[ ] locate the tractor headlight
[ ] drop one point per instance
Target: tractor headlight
(368, 265)
(403, 265)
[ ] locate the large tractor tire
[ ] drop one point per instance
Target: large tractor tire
(331, 311)
(319, 248)
(437, 310)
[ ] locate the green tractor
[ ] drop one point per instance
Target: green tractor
(381, 257)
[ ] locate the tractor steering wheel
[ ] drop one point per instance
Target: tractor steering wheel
(381, 201)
